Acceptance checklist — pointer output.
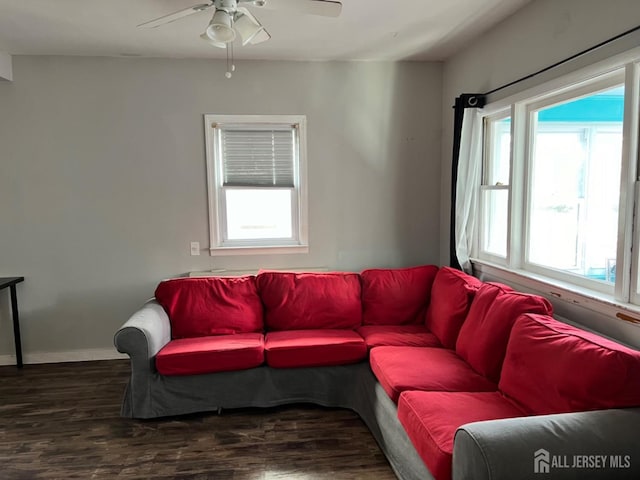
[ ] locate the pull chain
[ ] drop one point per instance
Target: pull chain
(229, 63)
(233, 64)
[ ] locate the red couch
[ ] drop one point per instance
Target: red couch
(445, 347)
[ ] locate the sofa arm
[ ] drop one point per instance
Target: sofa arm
(142, 337)
(145, 333)
(586, 445)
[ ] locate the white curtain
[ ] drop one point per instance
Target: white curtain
(467, 187)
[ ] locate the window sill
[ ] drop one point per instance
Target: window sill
(251, 250)
(555, 289)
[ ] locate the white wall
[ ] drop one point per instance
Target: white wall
(541, 34)
(102, 180)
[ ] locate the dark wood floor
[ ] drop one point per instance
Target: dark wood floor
(61, 421)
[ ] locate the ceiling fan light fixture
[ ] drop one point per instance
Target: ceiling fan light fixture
(247, 28)
(261, 36)
(206, 38)
(220, 28)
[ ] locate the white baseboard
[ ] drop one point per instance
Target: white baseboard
(85, 355)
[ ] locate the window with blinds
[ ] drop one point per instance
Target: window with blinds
(257, 184)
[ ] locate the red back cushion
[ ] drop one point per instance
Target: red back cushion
(551, 367)
(483, 337)
(198, 307)
(451, 295)
(301, 301)
(396, 296)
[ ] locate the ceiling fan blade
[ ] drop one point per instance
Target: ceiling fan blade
(172, 17)
(325, 8)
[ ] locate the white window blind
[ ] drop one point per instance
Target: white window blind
(256, 156)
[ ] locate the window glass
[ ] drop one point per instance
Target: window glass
(495, 189)
(258, 213)
(497, 171)
(575, 185)
(496, 209)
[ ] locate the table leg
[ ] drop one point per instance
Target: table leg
(16, 326)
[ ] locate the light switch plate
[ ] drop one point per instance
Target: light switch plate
(195, 248)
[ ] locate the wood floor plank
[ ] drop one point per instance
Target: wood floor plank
(61, 421)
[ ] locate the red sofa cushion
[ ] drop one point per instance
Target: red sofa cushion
(398, 335)
(300, 301)
(483, 337)
(313, 348)
(199, 307)
(222, 353)
(552, 367)
(399, 369)
(432, 418)
(396, 296)
(451, 296)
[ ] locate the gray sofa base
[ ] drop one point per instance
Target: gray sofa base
(151, 395)
(349, 386)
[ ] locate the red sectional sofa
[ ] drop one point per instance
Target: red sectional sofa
(425, 355)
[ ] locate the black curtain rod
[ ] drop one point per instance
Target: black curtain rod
(561, 62)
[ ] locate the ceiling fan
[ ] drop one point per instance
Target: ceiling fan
(230, 17)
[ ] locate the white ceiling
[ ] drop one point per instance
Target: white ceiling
(366, 29)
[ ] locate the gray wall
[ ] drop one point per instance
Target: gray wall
(541, 34)
(102, 179)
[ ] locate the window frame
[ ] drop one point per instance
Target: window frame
(623, 69)
(216, 191)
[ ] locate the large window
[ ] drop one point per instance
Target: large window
(558, 184)
(256, 174)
